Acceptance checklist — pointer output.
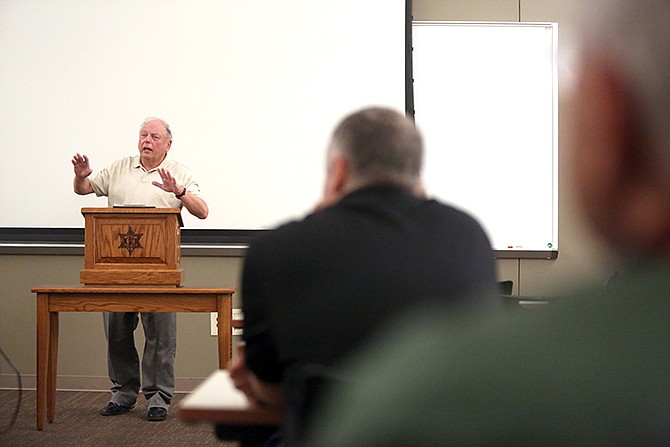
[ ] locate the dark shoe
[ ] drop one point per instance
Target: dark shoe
(113, 409)
(157, 414)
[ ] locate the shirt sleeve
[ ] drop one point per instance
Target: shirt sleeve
(100, 183)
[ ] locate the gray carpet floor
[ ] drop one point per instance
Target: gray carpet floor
(78, 424)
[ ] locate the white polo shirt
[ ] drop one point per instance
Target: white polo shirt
(127, 182)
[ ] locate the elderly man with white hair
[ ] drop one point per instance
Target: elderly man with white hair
(150, 178)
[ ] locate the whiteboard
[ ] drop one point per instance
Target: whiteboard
(251, 88)
(485, 98)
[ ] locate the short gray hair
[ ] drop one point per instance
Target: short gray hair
(162, 121)
(381, 146)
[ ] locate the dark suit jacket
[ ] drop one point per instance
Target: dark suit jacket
(313, 290)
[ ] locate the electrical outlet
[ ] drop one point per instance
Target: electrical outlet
(236, 315)
(213, 328)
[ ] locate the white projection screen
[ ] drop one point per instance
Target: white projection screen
(251, 88)
(485, 98)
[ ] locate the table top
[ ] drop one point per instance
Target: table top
(133, 289)
(217, 400)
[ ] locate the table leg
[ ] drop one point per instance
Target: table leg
(52, 366)
(225, 313)
(42, 354)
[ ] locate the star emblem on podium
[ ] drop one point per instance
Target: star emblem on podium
(130, 240)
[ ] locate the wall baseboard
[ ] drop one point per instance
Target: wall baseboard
(86, 383)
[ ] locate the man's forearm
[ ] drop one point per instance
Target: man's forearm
(82, 186)
(195, 205)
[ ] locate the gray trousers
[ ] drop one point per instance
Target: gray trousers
(160, 330)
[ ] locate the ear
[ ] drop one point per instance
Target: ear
(336, 181)
(340, 174)
(169, 145)
(598, 148)
(614, 167)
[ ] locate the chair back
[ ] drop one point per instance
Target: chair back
(305, 390)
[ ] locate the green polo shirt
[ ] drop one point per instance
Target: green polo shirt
(590, 369)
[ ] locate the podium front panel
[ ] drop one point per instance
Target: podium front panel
(132, 246)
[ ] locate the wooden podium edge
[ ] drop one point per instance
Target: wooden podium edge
(132, 277)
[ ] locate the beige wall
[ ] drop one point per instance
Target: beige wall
(82, 361)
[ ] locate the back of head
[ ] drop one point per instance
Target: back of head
(381, 146)
(619, 115)
(631, 37)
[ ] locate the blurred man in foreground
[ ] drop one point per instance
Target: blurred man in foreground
(590, 370)
(316, 289)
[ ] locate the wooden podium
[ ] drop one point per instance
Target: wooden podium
(132, 246)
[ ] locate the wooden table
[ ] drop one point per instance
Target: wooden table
(52, 300)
